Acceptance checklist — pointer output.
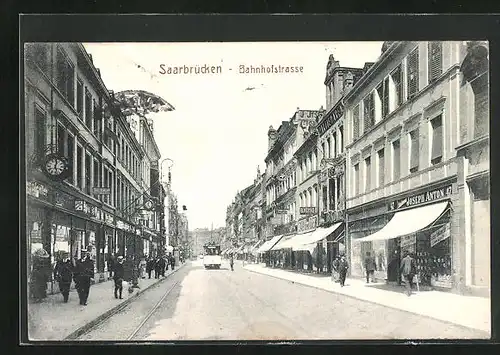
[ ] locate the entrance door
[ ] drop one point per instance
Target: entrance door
(394, 260)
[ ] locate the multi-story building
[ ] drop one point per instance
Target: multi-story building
(406, 119)
(84, 173)
(331, 154)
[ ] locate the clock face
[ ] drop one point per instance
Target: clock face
(55, 166)
(149, 204)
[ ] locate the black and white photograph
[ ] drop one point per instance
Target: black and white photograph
(256, 191)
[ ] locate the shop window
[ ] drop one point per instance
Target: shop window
(357, 181)
(65, 76)
(414, 150)
(396, 160)
(397, 79)
(368, 166)
(355, 122)
(437, 140)
(435, 52)
(79, 97)
(40, 132)
(369, 112)
(79, 170)
(412, 73)
(381, 167)
(70, 154)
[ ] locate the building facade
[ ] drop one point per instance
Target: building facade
(83, 167)
(403, 120)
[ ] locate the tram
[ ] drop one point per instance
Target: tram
(211, 257)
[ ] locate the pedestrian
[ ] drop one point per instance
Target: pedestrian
(157, 267)
(40, 275)
(335, 269)
(231, 262)
(150, 265)
(343, 267)
(172, 262)
(63, 273)
(85, 275)
(370, 267)
(142, 266)
(119, 274)
(408, 271)
(128, 272)
(111, 262)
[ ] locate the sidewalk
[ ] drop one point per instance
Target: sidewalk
(468, 311)
(53, 319)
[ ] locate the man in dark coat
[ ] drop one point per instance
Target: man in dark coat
(150, 265)
(231, 261)
(172, 262)
(343, 266)
(119, 274)
(84, 276)
(163, 266)
(63, 273)
(370, 267)
(408, 271)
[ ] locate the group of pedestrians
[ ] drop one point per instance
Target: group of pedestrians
(159, 265)
(340, 266)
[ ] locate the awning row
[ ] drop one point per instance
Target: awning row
(246, 248)
(269, 244)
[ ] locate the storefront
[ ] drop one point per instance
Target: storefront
(419, 224)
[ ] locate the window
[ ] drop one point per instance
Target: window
(97, 119)
(325, 198)
(357, 181)
(60, 139)
(40, 55)
(368, 165)
(79, 171)
(40, 132)
(412, 67)
(79, 97)
(118, 195)
(383, 93)
(437, 140)
(341, 137)
(381, 167)
(65, 77)
(97, 183)
(396, 160)
(106, 183)
(339, 188)
(480, 87)
(331, 183)
(369, 112)
(110, 182)
(88, 160)
(328, 147)
(334, 146)
(414, 151)
(70, 151)
(397, 79)
(88, 109)
(355, 122)
(435, 51)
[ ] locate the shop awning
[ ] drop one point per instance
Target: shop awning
(408, 222)
(253, 249)
(269, 244)
(296, 240)
(310, 241)
(282, 242)
(239, 250)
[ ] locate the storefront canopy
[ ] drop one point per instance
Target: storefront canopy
(408, 222)
(296, 240)
(269, 244)
(309, 242)
(282, 242)
(253, 249)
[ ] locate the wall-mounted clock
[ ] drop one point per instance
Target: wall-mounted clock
(148, 205)
(56, 167)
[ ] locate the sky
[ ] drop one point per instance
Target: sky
(217, 134)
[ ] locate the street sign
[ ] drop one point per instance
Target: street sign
(101, 190)
(281, 211)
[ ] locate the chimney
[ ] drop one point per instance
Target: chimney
(272, 135)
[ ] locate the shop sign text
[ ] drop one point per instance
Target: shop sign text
(88, 209)
(408, 240)
(36, 189)
(422, 198)
(307, 210)
(440, 234)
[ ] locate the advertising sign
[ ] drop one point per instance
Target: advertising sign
(408, 240)
(307, 210)
(440, 234)
(307, 224)
(101, 190)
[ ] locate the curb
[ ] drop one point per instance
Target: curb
(373, 302)
(109, 313)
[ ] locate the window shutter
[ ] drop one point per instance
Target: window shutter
(385, 100)
(381, 167)
(380, 92)
(414, 157)
(437, 138)
(412, 61)
(435, 52)
(396, 160)
(368, 112)
(368, 165)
